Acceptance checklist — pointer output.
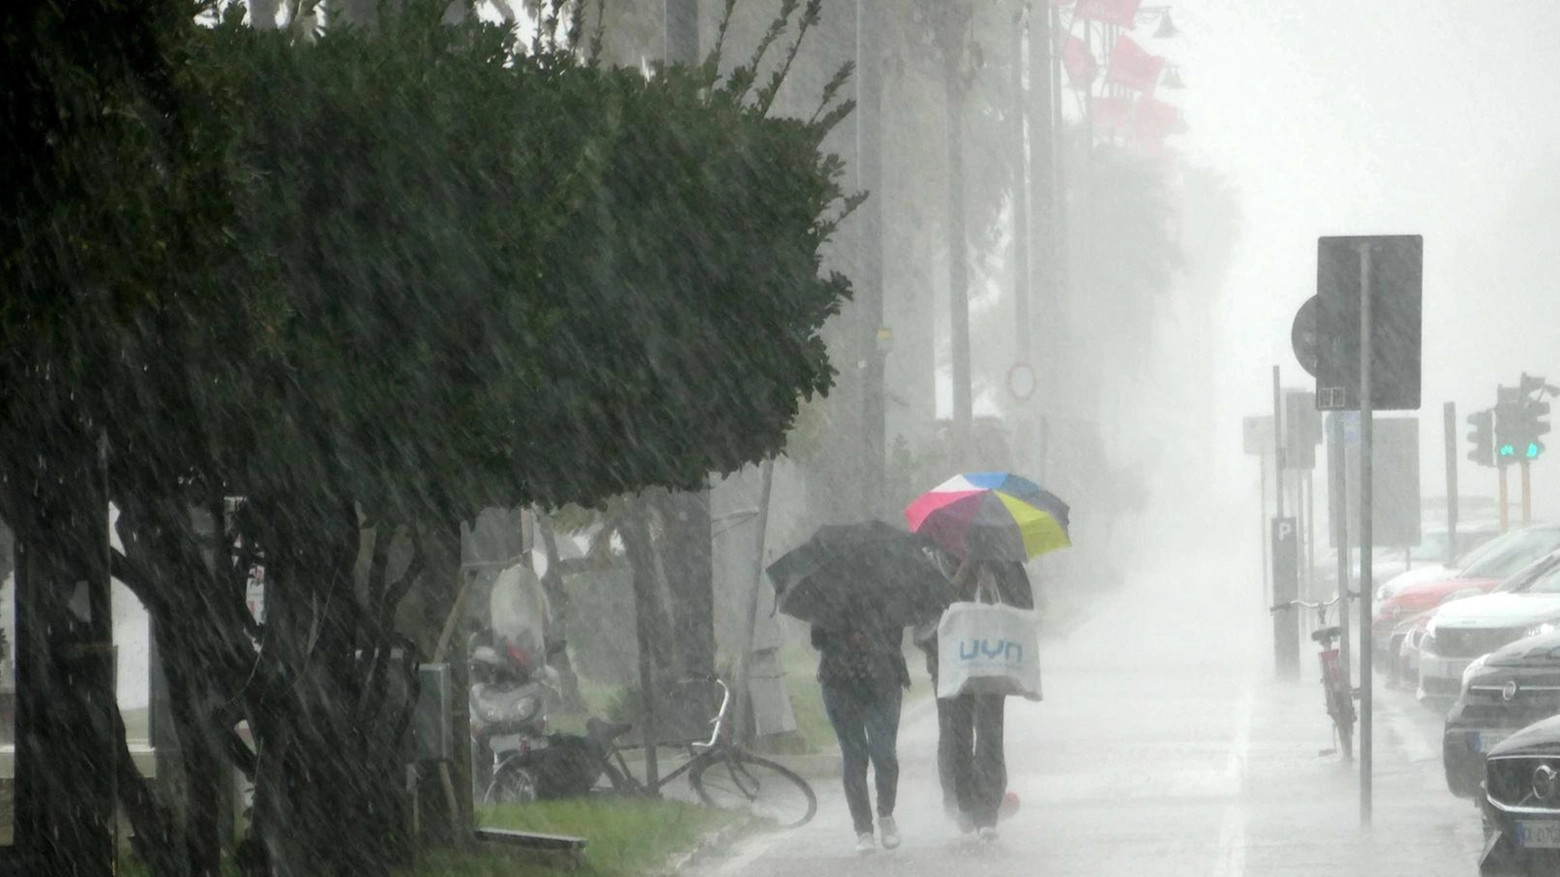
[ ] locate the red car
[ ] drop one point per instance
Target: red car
(1496, 561)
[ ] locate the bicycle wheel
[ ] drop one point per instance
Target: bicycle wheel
(512, 784)
(736, 780)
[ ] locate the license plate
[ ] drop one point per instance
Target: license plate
(1484, 741)
(1534, 835)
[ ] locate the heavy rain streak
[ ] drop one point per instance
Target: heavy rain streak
(778, 438)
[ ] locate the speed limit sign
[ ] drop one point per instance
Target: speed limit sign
(1021, 381)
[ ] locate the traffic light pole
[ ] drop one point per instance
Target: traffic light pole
(1527, 492)
(1366, 536)
(1505, 500)
(1449, 420)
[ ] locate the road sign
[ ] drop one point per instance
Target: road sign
(1257, 435)
(1286, 587)
(1302, 430)
(1396, 268)
(1021, 381)
(1303, 335)
(1395, 507)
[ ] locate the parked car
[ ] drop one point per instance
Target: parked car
(1521, 802)
(1433, 549)
(1498, 560)
(1527, 604)
(1501, 693)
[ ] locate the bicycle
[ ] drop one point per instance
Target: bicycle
(721, 773)
(1338, 695)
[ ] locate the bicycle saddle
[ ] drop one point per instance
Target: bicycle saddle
(606, 731)
(1325, 634)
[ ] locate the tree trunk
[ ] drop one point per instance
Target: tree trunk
(65, 742)
(328, 798)
(652, 626)
(686, 558)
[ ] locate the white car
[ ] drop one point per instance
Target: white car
(1527, 604)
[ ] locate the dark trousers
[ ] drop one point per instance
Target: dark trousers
(970, 762)
(867, 727)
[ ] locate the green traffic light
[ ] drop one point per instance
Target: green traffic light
(1508, 451)
(1533, 450)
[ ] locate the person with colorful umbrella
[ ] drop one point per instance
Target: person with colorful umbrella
(995, 522)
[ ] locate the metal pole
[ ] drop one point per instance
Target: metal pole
(1449, 421)
(746, 728)
(1278, 444)
(1527, 492)
(1505, 500)
(1338, 516)
(1262, 514)
(1310, 532)
(1366, 536)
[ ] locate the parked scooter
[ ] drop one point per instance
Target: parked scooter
(508, 724)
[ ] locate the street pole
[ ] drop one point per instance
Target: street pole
(1310, 532)
(1527, 492)
(1278, 444)
(1262, 515)
(1449, 422)
(1366, 536)
(1505, 499)
(1338, 515)
(745, 725)
(869, 283)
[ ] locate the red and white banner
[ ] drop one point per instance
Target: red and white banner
(1131, 66)
(1156, 120)
(1079, 63)
(1118, 12)
(1110, 116)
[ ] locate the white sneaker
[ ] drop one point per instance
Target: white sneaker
(864, 844)
(890, 832)
(987, 834)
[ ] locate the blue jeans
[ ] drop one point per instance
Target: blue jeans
(868, 729)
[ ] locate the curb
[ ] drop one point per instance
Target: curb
(711, 843)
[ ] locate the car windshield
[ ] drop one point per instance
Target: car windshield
(1508, 555)
(1539, 577)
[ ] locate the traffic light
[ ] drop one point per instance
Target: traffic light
(1531, 425)
(1508, 425)
(1481, 437)
(1534, 426)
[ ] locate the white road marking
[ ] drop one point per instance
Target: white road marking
(1231, 857)
(1232, 844)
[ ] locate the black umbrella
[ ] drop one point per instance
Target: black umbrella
(868, 570)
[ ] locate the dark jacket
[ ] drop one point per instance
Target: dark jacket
(867, 670)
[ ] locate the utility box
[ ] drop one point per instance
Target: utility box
(433, 738)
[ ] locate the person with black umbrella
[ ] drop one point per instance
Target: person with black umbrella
(863, 675)
(859, 586)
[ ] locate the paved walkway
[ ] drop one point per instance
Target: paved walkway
(1164, 746)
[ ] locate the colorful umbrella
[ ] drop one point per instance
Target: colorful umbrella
(991, 516)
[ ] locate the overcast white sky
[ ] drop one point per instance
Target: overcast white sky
(1392, 116)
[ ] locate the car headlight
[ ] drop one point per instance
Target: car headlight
(1540, 629)
(1430, 628)
(1473, 668)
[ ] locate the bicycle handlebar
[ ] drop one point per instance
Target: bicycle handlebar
(719, 722)
(1278, 607)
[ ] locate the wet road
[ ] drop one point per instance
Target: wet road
(1163, 746)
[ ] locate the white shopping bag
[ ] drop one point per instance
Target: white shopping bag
(987, 648)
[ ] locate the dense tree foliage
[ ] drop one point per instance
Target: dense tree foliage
(382, 278)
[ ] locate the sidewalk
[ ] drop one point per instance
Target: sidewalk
(1151, 759)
